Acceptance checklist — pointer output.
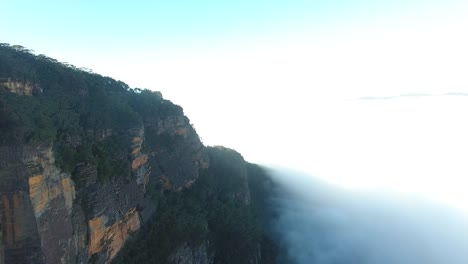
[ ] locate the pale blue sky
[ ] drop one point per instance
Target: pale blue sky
(98, 27)
(271, 78)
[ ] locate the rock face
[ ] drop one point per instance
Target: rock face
(181, 154)
(18, 87)
(115, 235)
(47, 217)
(36, 205)
(187, 254)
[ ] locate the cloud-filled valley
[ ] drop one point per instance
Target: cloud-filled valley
(319, 223)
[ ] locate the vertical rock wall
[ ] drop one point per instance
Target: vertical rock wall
(46, 217)
(35, 205)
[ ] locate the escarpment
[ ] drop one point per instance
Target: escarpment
(89, 168)
(47, 217)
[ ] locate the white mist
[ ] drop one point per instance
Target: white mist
(321, 224)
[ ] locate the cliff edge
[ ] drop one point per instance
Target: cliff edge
(90, 167)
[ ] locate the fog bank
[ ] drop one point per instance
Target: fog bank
(323, 224)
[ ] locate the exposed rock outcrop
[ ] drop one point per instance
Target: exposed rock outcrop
(36, 205)
(112, 237)
(140, 167)
(18, 87)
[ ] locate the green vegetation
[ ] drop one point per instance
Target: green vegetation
(87, 118)
(70, 108)
(209, 211)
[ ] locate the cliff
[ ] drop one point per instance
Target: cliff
(89, 168)
(47, 217)
(36, 205)
(216, 220)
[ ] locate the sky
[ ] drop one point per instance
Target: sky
(296, 83)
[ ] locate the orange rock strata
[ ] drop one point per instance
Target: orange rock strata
(115, 235)
(138, 162)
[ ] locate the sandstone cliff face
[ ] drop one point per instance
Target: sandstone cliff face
(43, 223)
(116, 209)
(114, 236)
(36, 204)
(46, 217)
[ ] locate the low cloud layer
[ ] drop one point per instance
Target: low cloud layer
(411, 95)
(318, 223)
